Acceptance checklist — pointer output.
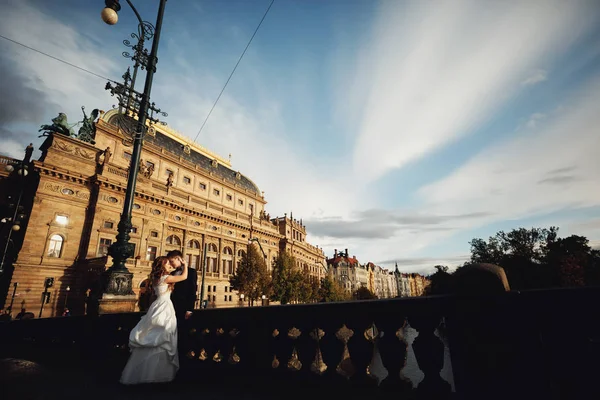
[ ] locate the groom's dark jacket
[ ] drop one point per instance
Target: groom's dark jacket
(184, 294)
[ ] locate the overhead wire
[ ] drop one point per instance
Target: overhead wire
(56, 58)
(233, 71)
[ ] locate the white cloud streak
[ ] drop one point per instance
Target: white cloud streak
(538, 76)
(553, 168)
(437, 71)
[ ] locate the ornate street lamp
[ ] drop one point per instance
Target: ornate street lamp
(17, 216)
(118, 279)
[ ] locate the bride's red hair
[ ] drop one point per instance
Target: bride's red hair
(159, 269)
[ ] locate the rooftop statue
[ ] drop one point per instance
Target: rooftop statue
(87, 132)
(59, 125)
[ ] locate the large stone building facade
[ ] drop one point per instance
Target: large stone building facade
(187, 198)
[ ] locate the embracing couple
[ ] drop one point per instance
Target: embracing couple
(153, 342)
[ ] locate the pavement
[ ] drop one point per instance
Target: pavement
(27, 380)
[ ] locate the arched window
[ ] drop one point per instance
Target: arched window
(55, 246)
(194, 244)
(174, 240)
(228, 251)
(241, 253)
(212, 247)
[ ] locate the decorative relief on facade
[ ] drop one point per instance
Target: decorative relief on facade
(77, 151)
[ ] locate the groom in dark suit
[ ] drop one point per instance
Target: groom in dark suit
(184, 300)
(184, 293)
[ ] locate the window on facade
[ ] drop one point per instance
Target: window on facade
(216, 192)
(173, 240)
(154, 234)
(136, 206)
(214, 298)
(108, 225)
(225, 289)
(214, 288)
(241, 202)
(225, 299)
(150, 164)
(61, 219)
(55, 246)
(227, 250)
(127, 155)
(202, 186)
(193, 244)
(151, 253)
(229, 297)
(241, 253)
(230, 267)
(212, 265)
(212, 247)
(103, 247)
(133, 229)
(169, 171)
(187, 180)
(229, 197)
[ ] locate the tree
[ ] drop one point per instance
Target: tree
(537, 258)
(568, 258)
(363, 293)
(331, 291)
(440, 281)
(282, 276)
(252, 278)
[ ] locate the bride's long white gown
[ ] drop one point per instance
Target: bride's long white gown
(153, 342)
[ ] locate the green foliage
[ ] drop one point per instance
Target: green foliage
(363, 293)
(537, 258)
(441, 281)
(291, 285)
(331, 291)
(252, 278)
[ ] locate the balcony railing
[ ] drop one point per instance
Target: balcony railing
(539, 344)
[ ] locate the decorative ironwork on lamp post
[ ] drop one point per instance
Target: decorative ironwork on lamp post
(132, 105)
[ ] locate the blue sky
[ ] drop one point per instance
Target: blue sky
(397, 129)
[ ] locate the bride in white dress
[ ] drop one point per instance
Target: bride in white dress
(153, 341)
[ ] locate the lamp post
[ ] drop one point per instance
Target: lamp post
(12, 299)
(118, 279)
(264, 300)
(242, 300)
(259, 245)
(16, 218)
(67, 297)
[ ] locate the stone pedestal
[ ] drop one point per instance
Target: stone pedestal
(118, 296)
(112, 304)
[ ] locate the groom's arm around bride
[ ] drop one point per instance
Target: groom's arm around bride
(184, 293)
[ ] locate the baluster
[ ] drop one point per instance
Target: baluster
(294, 363)
(375, 369)
(409, 372)
(345, 367)
(234, 358)
(429, 351)
(318, 366)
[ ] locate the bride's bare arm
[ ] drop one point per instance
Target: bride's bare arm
(178, 278)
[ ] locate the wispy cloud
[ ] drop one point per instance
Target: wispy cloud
(518, 177)
(534, 119)
(539, 75)
(438, 71)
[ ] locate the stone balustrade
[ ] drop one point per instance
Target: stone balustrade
(537, 344)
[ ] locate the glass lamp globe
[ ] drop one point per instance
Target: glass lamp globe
(109, 16)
